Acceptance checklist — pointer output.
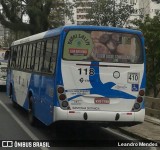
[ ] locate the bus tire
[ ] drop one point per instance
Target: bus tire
(11, 96)
(31, 118)
(10, 91)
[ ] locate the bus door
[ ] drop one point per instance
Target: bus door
(46, 99)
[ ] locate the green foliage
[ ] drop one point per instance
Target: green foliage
(38, 11)
(157, 1)
(59, 11)
(12, 36)
(109, 12)
(151, 30)
(11, 17)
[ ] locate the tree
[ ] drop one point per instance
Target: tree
(109, 12)
(59, 11)
(38, 12)
(157, 1)
(151, 30)
(12, 36)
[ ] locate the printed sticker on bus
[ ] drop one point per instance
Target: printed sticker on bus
(133, 77)
(135, 87)
(78, 52)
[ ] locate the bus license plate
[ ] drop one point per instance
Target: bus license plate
(101, 100)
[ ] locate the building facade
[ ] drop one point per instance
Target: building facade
(141, 7)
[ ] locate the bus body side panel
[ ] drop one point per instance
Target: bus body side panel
(45, 108)
(41, 88)
(19, 81)
(17, 86)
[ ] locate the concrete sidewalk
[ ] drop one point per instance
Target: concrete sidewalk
(150, 129)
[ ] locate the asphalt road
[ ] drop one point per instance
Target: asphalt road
(14, 125)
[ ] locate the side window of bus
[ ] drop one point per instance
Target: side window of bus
(37, 57)
(29, 56)
(26, 57)
(10, 57)
(14, 57)
(48, 54)
(33, 55)
(54, 54)
(23, 56)
(18, 56)
(6, 56)
(43, 47)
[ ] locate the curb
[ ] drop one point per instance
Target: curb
(136, 136)
(152, 120)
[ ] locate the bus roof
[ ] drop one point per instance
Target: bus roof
(57, 31)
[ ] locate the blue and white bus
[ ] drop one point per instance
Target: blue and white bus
(4, 53)
(80, 73)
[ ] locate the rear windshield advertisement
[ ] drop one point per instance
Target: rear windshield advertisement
(102, 46)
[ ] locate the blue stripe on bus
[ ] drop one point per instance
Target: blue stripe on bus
(69, 99)
(143, 84)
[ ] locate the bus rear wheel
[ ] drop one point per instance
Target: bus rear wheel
(11, 96)
(31, 118)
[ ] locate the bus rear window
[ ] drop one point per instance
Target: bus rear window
(102, 46)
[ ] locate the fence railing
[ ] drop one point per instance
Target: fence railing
(152, 106)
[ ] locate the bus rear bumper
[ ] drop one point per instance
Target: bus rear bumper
(98, 116)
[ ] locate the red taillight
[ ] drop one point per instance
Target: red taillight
(139, 99)
(60, 90)
(141, 92)
(62, 97)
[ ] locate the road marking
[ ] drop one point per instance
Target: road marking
(21, 124)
